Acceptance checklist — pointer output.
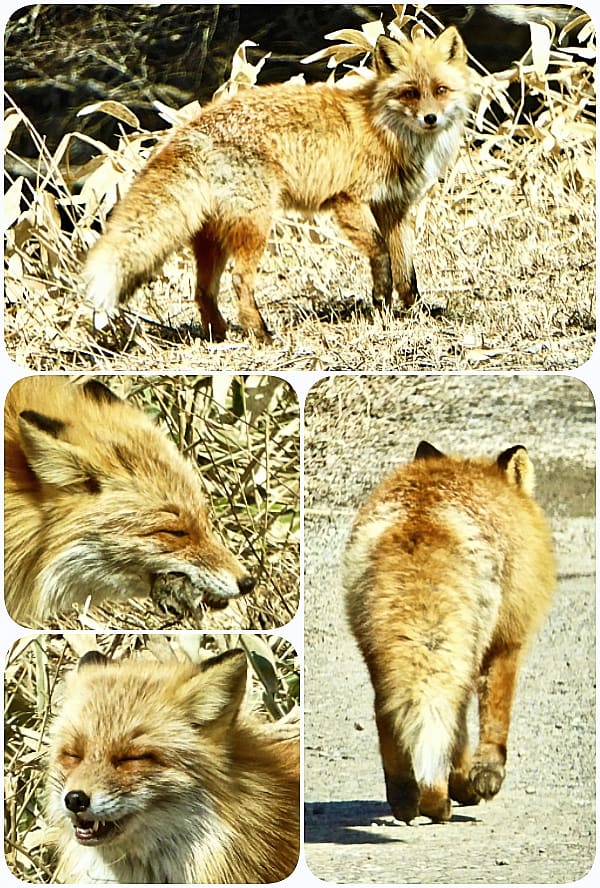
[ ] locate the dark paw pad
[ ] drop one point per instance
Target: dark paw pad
(487, 778)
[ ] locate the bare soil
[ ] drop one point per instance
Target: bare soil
(540, 828)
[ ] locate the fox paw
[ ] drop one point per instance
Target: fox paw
(486, 778)
(403, 798)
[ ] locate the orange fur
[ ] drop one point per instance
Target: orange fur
(97, 501)
(449, 573)
(157, 774)
(364, 153)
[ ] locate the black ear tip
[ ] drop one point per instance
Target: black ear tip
(92, 658)
(99, 392)
(506, 455)
(427, 451)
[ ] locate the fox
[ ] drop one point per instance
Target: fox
(449, 573)
(99, 502)
(157, 773)
(367, 154)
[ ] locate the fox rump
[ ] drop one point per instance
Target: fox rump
(449, 573)
(158, 774)
(366, 153)
(97, 501)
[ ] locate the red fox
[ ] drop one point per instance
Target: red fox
(366, 153)
(157, 775)
(97, 501)
(449, 572)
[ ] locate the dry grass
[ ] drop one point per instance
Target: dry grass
(244, 437)
(32, 684)
(505, 252)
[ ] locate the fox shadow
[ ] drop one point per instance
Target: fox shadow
(347, 822)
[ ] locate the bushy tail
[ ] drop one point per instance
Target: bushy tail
(428, 733)
(166, 205)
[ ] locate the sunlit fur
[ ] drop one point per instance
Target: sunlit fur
(98, 502)
(196, 789)
(449, 572)
(365, 153)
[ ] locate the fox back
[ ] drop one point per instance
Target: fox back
(99, 502)
(449, 572)
(158, 774)
(365, 153)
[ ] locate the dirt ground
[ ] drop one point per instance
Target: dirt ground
(540, 828)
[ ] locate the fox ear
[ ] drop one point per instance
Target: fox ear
(99, 392)
(451, 45)
(216, 692)
(51, 459)
(517, 467)
(388, 55)
(92, 658)
(427, 451)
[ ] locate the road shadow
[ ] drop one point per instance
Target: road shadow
(345, 823)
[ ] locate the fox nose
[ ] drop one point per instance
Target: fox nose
(246, 584)
(76, 801)
(430, 119)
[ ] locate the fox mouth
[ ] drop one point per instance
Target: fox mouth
(95, 832)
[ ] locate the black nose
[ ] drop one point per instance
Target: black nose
(430, 119)
(77, 801)
(246, 584)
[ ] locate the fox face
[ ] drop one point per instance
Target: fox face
(159, 772)
(424, 84)
(100, 502)
(138, 751)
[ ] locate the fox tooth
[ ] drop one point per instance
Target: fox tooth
(96, 825)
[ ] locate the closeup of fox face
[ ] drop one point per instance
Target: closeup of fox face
(162, 772)
(137, 750)
(99, 502)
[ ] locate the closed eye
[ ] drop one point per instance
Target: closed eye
(172, 532)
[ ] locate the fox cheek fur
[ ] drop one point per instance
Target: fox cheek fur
(366, 154)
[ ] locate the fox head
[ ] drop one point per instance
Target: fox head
(116, 504)
(424, 84)
(140, 748)
(513, 463)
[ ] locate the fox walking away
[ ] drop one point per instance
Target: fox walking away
(449, 573)
(157, 774)
(365, 153)
(97, 501)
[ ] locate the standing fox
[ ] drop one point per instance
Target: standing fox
(157, 775)
(367, 154)
(449, 572)
(97, 501)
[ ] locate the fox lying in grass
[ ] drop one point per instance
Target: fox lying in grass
(449, 573)
(366, 153)
(97, 501)
(158, 775)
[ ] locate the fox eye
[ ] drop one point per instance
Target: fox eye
(134, 757)
(411, 94)
(70, 756)
(441, 90)
(173, 532)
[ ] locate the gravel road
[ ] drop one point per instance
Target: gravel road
(540, 828)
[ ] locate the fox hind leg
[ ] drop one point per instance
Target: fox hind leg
(496, 691)
(402, 790)
(211, 258)
(247, 241)
(460, 787)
